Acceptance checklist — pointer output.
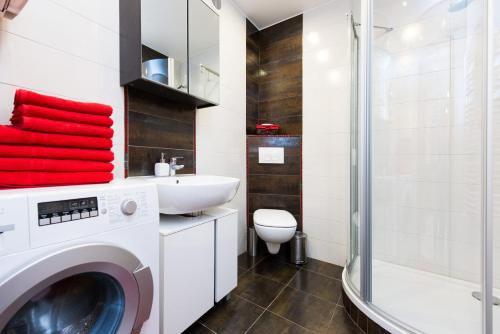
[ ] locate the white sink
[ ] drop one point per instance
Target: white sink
(191, 193)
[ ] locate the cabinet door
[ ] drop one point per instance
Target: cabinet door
(164, 46)
(204, 68)
(226, 255)
(187, 277)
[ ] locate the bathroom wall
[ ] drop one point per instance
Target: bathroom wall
(66, 48)
(274, 95)
(280, 75)
(154, 126)
(220, 130)
(326, 91)
(274, 76)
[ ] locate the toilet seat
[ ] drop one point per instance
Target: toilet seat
(274, 218)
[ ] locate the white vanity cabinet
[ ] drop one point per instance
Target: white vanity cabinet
(198, 265)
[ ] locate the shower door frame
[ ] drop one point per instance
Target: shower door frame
(364, 163)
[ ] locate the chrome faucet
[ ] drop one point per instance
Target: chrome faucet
(174, 167)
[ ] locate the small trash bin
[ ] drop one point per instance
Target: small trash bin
(298, 246)
(252, 242)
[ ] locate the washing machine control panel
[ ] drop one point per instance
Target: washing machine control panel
(67, 210)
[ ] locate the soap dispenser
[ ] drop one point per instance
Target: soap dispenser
(162, 168)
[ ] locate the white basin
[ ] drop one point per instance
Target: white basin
(191, 193)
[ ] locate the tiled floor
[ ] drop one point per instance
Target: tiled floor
(274, 296)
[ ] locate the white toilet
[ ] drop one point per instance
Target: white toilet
(274, 227)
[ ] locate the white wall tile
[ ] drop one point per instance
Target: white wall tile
(68, 49)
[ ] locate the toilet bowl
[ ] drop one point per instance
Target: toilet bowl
(274, 227)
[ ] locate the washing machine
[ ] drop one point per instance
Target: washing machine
(80, 259)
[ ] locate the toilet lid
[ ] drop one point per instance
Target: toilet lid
(274, 218)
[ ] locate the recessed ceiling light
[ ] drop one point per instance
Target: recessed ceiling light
(405, 3)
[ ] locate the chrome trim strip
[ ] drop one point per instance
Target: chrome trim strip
(365, 152)
(487, 182)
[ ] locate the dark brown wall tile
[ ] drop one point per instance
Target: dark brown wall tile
(274, 184)
(281, 202)
(153, 105)
(254, 142)
(283, 70)
(286, 49)
(279, 89)
(152, 131)
(142, 159)
(280, 31)
(155, 126)
(281, 108)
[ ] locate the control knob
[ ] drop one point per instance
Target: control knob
(129, 207)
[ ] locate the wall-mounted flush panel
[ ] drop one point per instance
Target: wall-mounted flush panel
(271, 155)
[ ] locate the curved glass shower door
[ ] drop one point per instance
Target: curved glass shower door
(427, 163)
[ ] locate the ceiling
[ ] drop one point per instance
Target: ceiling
(264, 13)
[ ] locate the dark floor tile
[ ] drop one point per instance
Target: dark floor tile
(276, 269)
(246, 261)
(304, 309)
(258, 289)
(241, 271)
(324, 268)
(272, 324)
(320, 286)
(197, 328)
(342, 324)
(232, 316)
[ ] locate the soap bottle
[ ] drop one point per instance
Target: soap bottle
(162, 168)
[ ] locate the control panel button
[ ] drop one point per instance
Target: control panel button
(94, 213)
(44, 221)
(55, 220)
(75, 216)
(85, 214)
(66, 218)
(129, 207)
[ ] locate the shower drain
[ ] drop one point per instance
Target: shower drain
(479, 296)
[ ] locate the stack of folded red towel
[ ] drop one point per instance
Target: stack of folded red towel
(53, 141)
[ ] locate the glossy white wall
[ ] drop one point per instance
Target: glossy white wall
(326, 96)
(66, 48)
(221, 130)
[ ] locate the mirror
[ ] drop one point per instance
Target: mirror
(164, 42)
(204, 68)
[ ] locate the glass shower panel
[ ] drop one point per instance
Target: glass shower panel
(426, 162)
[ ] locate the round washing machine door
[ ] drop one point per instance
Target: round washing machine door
(93, 288)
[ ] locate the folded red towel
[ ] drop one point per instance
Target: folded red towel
(52, 165)
(33, 179)
(28, 97)
(11, 135)
(41, 152)
(50, 126)
(61, 115)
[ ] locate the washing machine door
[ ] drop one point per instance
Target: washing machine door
(93, 288)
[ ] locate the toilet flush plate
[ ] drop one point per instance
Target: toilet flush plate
(271, 155)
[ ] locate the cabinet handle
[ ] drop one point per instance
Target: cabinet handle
(7, 228)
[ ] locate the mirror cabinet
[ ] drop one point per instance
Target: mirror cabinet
(171, 48)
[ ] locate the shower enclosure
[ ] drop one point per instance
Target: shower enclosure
(424, 246)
